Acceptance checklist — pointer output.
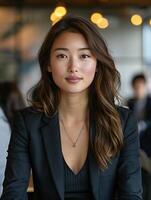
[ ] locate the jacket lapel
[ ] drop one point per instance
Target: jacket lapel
(51, 137)
(94, 176)
(94, 172)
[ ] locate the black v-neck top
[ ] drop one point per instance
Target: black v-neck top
(77, 186)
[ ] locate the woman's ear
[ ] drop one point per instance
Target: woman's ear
(49, 68)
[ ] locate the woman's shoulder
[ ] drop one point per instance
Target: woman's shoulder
(123, 110)
(29, 114)
(125, 113)
(29, 110)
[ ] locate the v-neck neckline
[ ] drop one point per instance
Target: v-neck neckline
(81, 169)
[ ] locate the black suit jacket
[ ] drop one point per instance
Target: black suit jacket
(35, 143)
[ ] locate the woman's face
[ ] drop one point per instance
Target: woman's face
(72, 64)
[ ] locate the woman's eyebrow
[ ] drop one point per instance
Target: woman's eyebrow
(66, 49)
(85, 48)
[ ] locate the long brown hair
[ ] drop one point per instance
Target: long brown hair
(103, 91)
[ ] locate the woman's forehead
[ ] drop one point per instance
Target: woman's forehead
(70, 39)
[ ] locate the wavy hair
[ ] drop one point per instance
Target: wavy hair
(103, 91)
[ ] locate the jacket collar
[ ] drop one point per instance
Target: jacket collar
(94, 171)
(52, 143)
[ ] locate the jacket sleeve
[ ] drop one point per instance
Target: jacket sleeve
(129, 171)
(18, 164)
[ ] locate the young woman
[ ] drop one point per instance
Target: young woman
(79, 144)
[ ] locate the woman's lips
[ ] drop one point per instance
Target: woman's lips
(73, 79)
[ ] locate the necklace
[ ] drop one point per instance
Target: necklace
(74, 143)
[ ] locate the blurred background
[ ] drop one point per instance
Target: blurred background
(125, 25)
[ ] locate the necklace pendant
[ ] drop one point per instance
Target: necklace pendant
(74, 145)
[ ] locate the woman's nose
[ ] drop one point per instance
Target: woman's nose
(73, 65)
(73, 70)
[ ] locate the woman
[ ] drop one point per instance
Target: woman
(79, 144)
(10, 100)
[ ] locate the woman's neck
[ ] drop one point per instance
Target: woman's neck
(73, 108)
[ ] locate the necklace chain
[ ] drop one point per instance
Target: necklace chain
(74, 143)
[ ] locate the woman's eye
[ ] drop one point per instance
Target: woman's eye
(85, 56)
(61, 56)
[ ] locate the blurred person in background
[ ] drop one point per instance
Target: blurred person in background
(78, 142)
(140, 103)
(5, 132)
(10, 101)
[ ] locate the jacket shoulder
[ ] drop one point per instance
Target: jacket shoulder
(29, 115)
(29, 111)
(123, 110)
(124, 113)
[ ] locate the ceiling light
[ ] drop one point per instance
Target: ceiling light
(136, 20)
(60, 11)
(96, 17)
(103, 23)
